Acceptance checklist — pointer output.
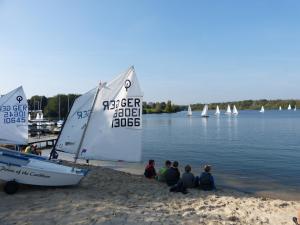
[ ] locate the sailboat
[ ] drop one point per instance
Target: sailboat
(205, 111)
(189, 113)
(295, 109)
(280, 108)
(106, 122)
(234, 111)
(262, 110)
(217, 111)
(228, 111)
(289, 107)
(16, 167)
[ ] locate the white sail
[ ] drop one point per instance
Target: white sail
(75, 124)
(41, 116)
(29, 116)
(115, 126)
(14, 118)
(262, 109)
(295, 109)
(205, 111)
(234, 111)
(217, 110)
(228, 111)
(280, 108)
(289, 107)
(37, 116)
(189, 113)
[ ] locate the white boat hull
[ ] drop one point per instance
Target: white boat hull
(36, 171)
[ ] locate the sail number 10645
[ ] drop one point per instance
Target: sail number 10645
(126, 122)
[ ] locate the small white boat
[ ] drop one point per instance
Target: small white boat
(217, 110)
(228, 111)
(34, 170)
(205, 111)
(59, 123)
(295, 109)
(280, 108)
(262, 110)
(234, 111)
(289, 107)
(189, 113)
(16, 167)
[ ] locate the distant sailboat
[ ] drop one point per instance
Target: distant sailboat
(217, 111)
(280, 108)
(29, 116)
(234, 111)
(205, 111)
(189, 113)
(262, 110)
(228, 111)
(289, 108)
(295, 109)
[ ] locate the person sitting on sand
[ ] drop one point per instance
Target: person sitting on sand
(172, 174)
(35, 150)
(206, 180)
(29, 149)
(162, 172)
(188, 178)
(150, 170)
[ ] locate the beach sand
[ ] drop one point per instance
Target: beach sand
(107, 196)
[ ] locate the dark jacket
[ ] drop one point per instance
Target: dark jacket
(172, 176)
(206, 182)
(188, 180)
(150, 171)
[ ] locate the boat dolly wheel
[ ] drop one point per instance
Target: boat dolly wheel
(11, 187)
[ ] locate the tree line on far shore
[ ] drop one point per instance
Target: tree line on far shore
(58, 106)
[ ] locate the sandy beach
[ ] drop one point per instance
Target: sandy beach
(107, 196)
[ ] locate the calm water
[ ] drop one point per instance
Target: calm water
(252, 151)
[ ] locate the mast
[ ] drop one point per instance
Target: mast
(58, 107)
(87, 123)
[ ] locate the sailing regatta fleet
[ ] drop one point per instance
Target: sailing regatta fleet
(228, 111)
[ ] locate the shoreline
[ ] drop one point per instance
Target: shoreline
(107, 196)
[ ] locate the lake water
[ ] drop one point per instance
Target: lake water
(256, 152)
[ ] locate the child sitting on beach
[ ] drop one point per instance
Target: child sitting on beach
(150, 170)
(206, 180)
(172, 175)
(162, 172)
(188, 178)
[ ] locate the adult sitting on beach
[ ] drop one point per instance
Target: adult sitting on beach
(206, 181)
(150, 170)
(162, 172)
(172, 174)
(188, 178)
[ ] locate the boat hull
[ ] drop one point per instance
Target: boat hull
(34, 171)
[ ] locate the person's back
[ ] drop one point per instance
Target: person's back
(206, 180)
(188, 178)
(150, 170)
(172, 174)
(162, 172)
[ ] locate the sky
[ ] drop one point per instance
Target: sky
(186, 51)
